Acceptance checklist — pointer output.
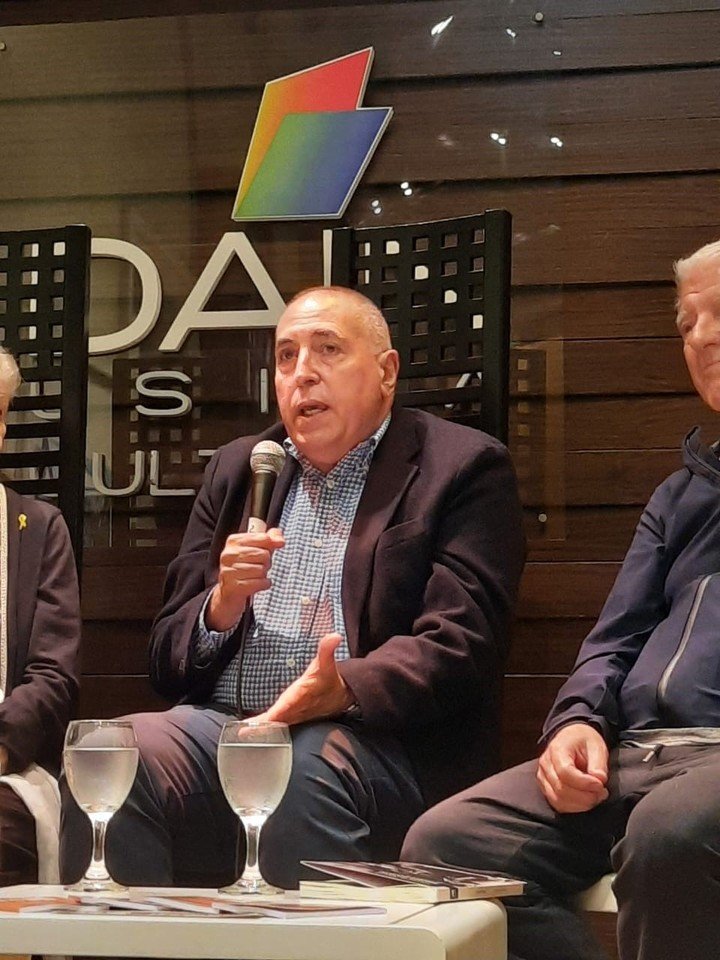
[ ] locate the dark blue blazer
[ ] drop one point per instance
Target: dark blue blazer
(429, 583)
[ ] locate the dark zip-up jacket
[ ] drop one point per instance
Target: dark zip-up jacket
(653, 658)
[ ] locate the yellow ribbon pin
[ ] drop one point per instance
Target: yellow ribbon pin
(22, 521)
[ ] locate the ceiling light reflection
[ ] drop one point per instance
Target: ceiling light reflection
(556, 141)
(439, 27)
(510, 32)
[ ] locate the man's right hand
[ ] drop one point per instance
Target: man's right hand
(244, 566)
(573, 769)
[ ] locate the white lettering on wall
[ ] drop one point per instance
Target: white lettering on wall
(183, 402)
(150, 302)
(192, 314)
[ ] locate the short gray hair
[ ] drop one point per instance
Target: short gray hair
(10, 378)
(684, 266)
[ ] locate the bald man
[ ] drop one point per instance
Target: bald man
(371, 617)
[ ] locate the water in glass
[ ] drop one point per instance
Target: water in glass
(100, 759)
(254, 764)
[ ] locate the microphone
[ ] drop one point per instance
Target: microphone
(266, 462)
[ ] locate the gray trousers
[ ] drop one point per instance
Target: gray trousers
(659, 829)
(352, 796)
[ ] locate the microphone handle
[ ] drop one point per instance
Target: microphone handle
(263, 484)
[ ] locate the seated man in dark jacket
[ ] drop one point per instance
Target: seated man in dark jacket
(39, 639)
(630, 774)
(374, 624)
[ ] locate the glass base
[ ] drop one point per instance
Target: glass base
(86, 885)
(247, 885)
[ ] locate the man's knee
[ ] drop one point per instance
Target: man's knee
(431, 838)
(663, 845)
(444, 835)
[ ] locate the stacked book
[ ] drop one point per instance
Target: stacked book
(405, 882)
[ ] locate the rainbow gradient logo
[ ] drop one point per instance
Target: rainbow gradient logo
(311, 143)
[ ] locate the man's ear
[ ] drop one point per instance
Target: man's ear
(389, 364)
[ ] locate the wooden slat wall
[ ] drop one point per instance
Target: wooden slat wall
(136, 121)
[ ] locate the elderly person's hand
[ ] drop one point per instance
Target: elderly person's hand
(319, 692)
(244, 567)
(573, 769)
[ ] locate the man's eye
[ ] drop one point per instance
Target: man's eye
(329, 348)
(685, 326)
(284, 356)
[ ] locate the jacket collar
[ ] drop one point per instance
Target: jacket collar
(701, 459)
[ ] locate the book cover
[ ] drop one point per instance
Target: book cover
(405, 882)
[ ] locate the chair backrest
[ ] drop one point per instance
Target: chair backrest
(444, 288)
(44, 285)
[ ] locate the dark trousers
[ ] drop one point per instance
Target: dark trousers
(659, 829)
(352, 795)
(18, 846)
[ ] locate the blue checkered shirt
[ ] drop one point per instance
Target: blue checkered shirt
(305, 600)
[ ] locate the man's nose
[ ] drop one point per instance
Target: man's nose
(706, 329)
(305, 366)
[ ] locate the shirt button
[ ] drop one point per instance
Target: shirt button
(317, 542)
(304, 601)
(330, 484)
(290, 661)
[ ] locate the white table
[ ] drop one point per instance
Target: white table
(471, 930)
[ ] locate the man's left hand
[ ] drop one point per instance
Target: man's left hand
(319, 692)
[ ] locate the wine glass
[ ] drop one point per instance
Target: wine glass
(100, 758)
(254, 761)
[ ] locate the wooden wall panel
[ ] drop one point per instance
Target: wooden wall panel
(113, 696)
(637, 423)
(577, 589)
(598, 313)
(211, 51)
(560, 532)
(127, 592)
(547, 646)
(608, 124)
(115, 646)
(526, 703)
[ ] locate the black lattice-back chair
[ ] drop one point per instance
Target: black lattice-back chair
(44, 284)
(444, 288)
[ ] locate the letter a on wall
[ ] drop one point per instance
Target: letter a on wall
(193, 316)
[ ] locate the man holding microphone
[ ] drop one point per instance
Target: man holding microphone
(371, 616)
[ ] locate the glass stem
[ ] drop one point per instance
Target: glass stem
(253, 826)
(97, 869)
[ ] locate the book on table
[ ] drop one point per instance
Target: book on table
(158, 904)
(405, 882)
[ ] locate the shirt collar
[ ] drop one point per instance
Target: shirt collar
(362, 454)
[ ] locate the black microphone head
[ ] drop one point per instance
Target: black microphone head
(267, 457)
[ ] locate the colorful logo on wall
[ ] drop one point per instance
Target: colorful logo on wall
(311, 143)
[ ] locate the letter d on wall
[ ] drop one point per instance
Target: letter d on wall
(150, 303)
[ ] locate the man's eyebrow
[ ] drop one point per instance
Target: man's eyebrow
(326, 332)
(323, 332)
